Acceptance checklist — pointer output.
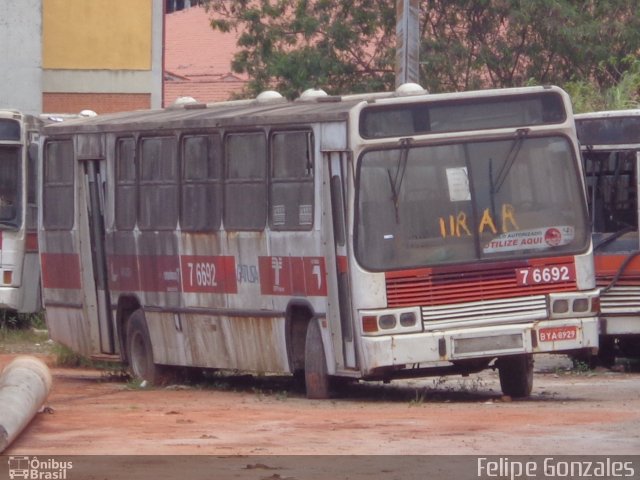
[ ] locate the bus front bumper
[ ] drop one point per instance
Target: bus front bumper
(549, 336)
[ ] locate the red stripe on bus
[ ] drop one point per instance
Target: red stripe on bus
(31, 242)
(60, 270)
(159, 273)
(147, 273)
(610, 264)
(608, 267)
(123, 273)
(209, 274)
(304, 276)
(343, 264)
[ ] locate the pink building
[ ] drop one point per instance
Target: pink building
(197, 60)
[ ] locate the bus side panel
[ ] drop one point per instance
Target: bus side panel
(62, 291)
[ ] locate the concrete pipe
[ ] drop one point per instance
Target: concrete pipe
(24, 385)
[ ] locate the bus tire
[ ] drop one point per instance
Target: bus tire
(516, 375)
(140, 351)
(316, 378)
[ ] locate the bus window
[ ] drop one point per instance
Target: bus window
(611, 179)
(245, 192)
(158, 184)
(58, 205)
(125, 204)
(201, 207)
(291, 195)
(10, 180)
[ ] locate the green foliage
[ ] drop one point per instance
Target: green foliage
(349, 45)
(588, 97)
(14, 320)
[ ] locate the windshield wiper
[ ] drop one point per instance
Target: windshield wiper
(396, 181)
(521, 134)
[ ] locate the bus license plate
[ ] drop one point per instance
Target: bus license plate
(557, 334)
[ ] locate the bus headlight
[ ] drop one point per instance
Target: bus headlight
(390, 321)
(561, 305)
(581, 305)
(407, 319)
(387, 322)
(564, 305)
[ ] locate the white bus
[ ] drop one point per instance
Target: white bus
(369, 237)
(19, 264)
(610, 144)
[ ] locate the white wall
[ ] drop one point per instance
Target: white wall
(21, 55)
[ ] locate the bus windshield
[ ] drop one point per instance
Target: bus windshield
(484, 200)
(9, 185)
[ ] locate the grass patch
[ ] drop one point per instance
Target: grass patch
(27, 341)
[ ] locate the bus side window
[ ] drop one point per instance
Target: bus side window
(201, 203)
(245, 189)
(291, 189)
(158, 184)
(126, 204)
(58, 205)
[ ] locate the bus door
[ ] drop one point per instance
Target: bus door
(341, 289)
(95, 272)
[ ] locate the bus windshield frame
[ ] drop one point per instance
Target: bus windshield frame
(508, 198)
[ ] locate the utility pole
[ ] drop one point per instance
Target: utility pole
(407, 41)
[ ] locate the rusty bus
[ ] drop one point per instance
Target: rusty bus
(610, 144)
(370, 237)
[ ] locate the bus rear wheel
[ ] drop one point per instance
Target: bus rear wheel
(316, 377)
(140, 351)
(516, 375)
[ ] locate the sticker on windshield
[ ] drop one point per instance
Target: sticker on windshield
(458, 181)
(537, 238)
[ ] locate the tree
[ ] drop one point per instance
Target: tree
(588, 97)
(348, 45)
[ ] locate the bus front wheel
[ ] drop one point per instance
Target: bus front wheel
(140, 351)
(316, 378)
(516, 375)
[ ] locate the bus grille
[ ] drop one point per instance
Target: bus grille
(491, 311)
(622, 298)
(446, 286)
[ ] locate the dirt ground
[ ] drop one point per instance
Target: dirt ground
(569, 412)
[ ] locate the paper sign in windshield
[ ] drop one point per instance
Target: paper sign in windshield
(458, 181)
(537, 238)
